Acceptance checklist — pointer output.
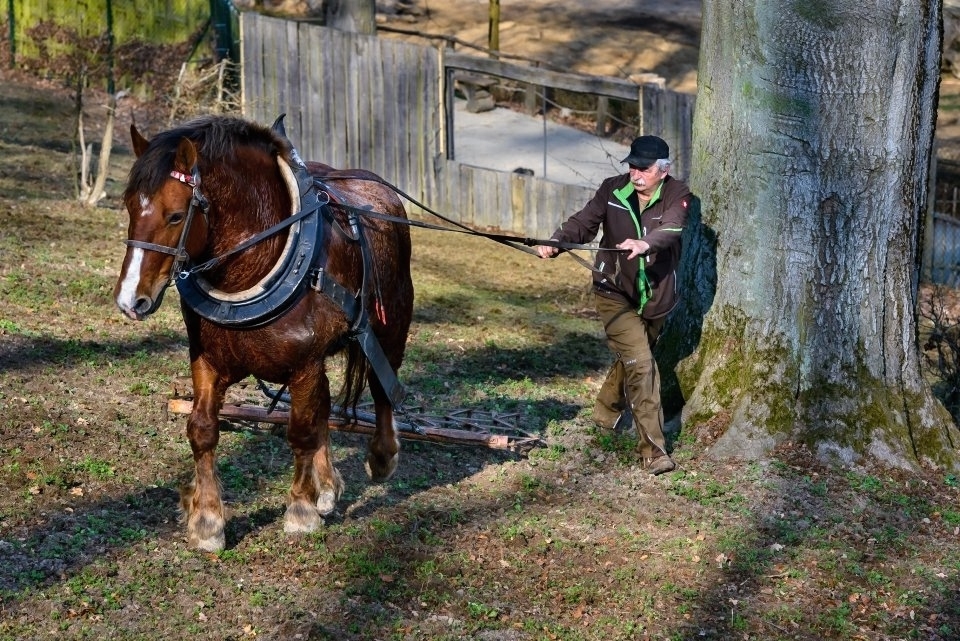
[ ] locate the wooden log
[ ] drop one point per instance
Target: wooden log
(431, 434)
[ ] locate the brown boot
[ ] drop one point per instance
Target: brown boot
(660, 465)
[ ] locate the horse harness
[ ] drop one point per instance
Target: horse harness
(300, 268)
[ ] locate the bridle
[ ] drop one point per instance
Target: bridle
(179, 253)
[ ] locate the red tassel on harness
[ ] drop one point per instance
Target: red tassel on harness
(380, 311)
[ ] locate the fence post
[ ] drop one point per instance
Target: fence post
(603, 108)
(926, 264)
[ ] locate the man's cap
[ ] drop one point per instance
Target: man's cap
(646, 150)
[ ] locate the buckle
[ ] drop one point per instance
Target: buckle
(317, 277)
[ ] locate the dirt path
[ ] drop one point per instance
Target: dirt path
(617, 38)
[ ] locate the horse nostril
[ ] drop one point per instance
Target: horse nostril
(142, 306)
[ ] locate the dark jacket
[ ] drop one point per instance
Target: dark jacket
(647, 283)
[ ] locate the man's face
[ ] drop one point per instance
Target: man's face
(645, 178)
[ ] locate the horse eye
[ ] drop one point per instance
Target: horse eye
(175, 218)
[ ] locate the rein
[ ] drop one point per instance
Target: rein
(199, 201)
(250, 242)
(520, 243)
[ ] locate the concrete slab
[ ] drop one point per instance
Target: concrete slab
(506, 140)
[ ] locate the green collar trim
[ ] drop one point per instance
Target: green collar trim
(624, 193)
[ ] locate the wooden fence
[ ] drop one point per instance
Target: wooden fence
(385, 105)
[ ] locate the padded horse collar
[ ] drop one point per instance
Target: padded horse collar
(286, 282)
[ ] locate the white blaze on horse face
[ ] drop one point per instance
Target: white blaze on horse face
(146, 208)
(127, 296)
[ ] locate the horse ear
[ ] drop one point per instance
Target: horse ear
(278, 127)
(186, 156)
(139, 142)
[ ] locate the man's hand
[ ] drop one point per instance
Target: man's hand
(636, 247)
(546, 251)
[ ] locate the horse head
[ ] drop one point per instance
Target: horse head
(162, 199)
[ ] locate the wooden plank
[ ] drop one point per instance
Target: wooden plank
(364, 59)
(251, 69)
(339, 90)
(385, 138)
(269, 99)
(603, 109)
(429, 116)
(520, 187)
(311, 86)
(407, 148)
(252, 64)
(326, 119)
(351, 95)
(291, 103)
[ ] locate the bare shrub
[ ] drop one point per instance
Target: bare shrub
(940, 330)
(203, 89)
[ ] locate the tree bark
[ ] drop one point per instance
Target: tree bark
(813, 138)
(357, 16)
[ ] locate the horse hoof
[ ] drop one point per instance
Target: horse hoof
(301, 518)
(326, 502)
(381, 472)
(327, 497)
(212, 544)
(205, 533)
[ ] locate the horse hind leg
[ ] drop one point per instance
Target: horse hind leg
(311, 496)
(317, 484)
(383, 452)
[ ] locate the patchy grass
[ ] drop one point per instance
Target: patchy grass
(572, 542)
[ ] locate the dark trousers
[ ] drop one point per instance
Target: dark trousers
(633, 381)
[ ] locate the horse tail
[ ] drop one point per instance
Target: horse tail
(355, 377)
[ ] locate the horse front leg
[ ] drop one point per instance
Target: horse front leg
(317, 484)
(384, 448)
(200, 501)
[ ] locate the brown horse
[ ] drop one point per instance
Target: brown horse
(210, 205)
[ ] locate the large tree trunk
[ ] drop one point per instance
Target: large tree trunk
(812, 141)
(358, 16)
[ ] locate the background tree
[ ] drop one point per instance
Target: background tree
(358, 16)
(813, 137)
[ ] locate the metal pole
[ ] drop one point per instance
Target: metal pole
(493, 33)
(13, 34)
(111, 88)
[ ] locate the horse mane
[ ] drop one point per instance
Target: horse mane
(216, 138)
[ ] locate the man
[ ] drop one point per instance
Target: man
(641, 214)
